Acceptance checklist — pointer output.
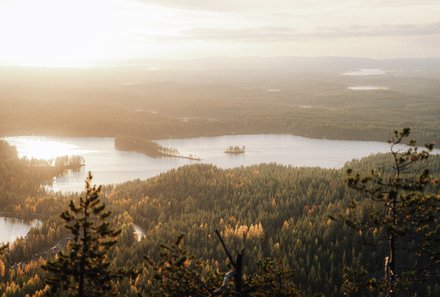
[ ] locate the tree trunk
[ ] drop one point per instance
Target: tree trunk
(81, 286)
(391, 276)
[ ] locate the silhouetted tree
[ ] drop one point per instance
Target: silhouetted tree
(403, 215)
(83, 269)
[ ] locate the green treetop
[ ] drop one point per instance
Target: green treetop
(83, 269)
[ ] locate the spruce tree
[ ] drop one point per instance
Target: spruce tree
(83, 269)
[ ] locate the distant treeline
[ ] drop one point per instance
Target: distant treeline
(319, 107)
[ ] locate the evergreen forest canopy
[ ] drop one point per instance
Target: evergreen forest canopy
(295, 227)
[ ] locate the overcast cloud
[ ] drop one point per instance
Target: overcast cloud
(261, 34)
(254, 5)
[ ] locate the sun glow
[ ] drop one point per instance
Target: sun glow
(83, 33)
(53, 33)
(33, 147)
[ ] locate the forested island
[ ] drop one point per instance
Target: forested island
(235, 150)
(144, 146)
(284, 220)
(148, 147)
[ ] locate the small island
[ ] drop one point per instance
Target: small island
(148, 147)
(235, 150)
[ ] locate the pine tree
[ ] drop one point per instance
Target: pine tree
(404, 208)
(83, 269)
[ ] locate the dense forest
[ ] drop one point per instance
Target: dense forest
(281, 218)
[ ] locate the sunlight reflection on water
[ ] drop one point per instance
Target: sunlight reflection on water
(43, 148)
(110, 166)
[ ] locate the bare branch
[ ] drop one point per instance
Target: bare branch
(233, 263)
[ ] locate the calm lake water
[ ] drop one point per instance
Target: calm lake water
(110, 166)
(366, 72)
(368, 88)
(11, 229)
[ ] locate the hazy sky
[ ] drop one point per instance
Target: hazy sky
(83, 32)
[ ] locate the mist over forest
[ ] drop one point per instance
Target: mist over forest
(223, 96)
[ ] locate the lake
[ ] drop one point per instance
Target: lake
(366, 72)
(368, 88)
(110, 166)
(11, 228)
